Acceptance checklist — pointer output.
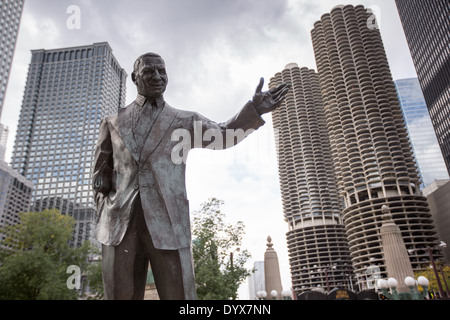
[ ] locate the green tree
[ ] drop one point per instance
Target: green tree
(95, 278)
(35, 255)
(429, 274)
(218, 259)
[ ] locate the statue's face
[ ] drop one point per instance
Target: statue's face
(151, 78)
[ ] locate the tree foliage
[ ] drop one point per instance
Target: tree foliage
(35, 255)
(219, 260)
(430, 275)
(95, 278)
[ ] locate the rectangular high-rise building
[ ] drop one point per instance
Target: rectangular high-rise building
(10, 15)
(423, 138)
(319, 255)
(256, 280)
(427, 30)
(4, 132)
(68, 92)
(15, 196)
(372, 155)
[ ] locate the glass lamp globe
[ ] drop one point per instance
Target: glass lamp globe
(261, 294)
(381, 283)
(274, 293)
(410, 282)
(423, 281)
(392, 282)
(286, 293)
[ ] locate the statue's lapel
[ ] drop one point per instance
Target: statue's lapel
(125, 120)
(159, 129)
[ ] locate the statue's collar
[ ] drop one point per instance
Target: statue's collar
(140, 100)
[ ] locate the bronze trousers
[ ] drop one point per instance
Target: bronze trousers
(125, 266)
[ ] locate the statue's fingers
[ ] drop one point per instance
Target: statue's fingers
(277, 101)
(279, 88)
(260, 85)
(280, 95)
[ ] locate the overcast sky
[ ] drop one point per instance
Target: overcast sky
(215, 53)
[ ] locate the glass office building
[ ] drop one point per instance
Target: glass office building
(4, 132)
(10, 15)
(68, 92)
(15, 196)
(421, 132)
(427, 30)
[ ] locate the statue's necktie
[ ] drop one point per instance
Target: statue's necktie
(143, 123)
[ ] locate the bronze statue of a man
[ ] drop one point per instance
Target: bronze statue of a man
(140, 191)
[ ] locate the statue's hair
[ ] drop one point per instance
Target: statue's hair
(138, 60)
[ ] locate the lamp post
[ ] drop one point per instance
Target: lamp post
(325, 270)
(445, 281)
(429, 250)
(286, 294)
(438, 280)
(390, 283)
(261, 295)
(274, 294)
(410, 282)
(359, 281)
(373, 273)
(349, 276)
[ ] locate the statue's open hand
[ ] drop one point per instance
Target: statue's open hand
(268, 101)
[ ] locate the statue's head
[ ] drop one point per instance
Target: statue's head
(149, 75)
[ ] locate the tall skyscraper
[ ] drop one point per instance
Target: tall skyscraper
(4, 132)
(15, 196)
(10, 15)
(68, 92)
(316, 238)
(372, 156)
(438, 197)
(426, 148)
(427, 30)
(256, 280)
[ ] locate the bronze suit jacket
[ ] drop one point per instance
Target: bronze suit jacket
(123, 171)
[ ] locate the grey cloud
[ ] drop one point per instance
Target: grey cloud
(187, 27)
(181, 31)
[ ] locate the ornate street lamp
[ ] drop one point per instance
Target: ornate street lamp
(429, 250)
(286, 294)
(325, 270)
(410, 282)
(415, 294)
(274, 294)
(261, 295)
